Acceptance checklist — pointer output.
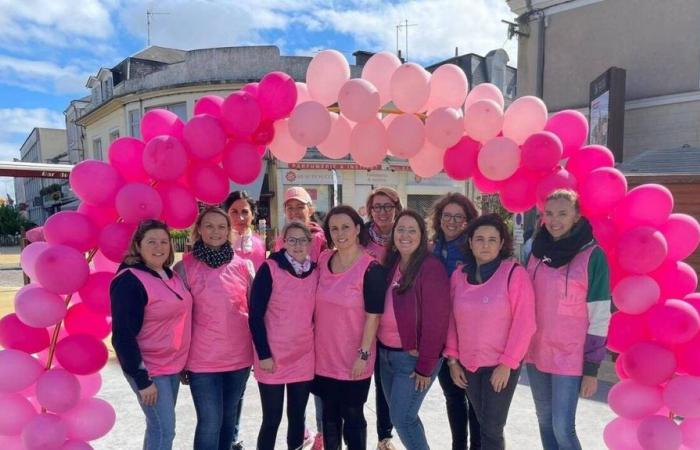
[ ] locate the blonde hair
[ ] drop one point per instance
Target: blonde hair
(565, 194)
(213, 210)
(133, 255)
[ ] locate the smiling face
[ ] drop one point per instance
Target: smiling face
(295, 210)
(343, 230)
(453, 221)
(214, 230)
(154, 248)
(241, 215)
(486, 243)
(560, 216)
(407, 236)
(297, 244)
(383, 211)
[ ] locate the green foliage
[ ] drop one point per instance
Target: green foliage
(175, 234)
(11, 221)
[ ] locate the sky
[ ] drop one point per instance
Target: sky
(49, 48)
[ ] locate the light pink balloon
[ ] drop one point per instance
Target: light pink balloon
(80, 319)
(179, 205)
(589, 158)
(633, 400)
(601, 191)
(114, 240)
(75, 444)
(428, 162)
(378, 70)
(337, 144)
(81, 354)
(541, 151)
(137, 201)
(327, 72)
(208, 104)
(309, 124)
(283, 146)
(209, 182)
(58, 390)
(682, 396)
(405, 135)
(448, 87)
(157, 122)
(649, 363)
(358, 100)
(444, 127)
(15, 334)
(44, 432)
(648, 204)
(499, 158)
(302, 93)
(572, 128)
(483, 184)
(525, 116)
(91, 419)
(204, 136)
(240, 114)
(459, 160)
(39, 308)
(90, 384)
(676, 279)
(483, 120)
(682, 232)
(641, 250)
(82, 181)
(659, 433)
(61, 269)
(95, 293)
(102, 263)
(621, 434)
(242, 162)
(484, 91)
(635, 294)
(277, 95)
(165, 158)
(72, 229)
(36, 234)
(101, 217)
(368, 143)
(410, 87)
(126, 155)
(29, 255)
(519, 192)
(673, 322)
(24, 368)
(15, 412)
(691, 433)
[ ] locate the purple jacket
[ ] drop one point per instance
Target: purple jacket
(423, 313)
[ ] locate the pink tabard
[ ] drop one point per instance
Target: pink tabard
(257, 254)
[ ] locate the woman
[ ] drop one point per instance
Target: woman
(242, 211)
(449, 219)
(414, 325)
(222, 351)
(572, 297)
(383, 204)
(281, 320)
(151, 324)
(298, 207)
(349, 302)
(493, 319)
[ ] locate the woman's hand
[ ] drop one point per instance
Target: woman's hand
(149, 395)
(267, 365)
(459, 377)
(589, 386)
(358, 368)
(499, 377)
(422, 382)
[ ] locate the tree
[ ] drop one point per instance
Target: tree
(11, 221)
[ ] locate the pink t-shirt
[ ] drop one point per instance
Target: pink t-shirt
(388, 333)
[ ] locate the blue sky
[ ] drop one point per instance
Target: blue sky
(49, 48)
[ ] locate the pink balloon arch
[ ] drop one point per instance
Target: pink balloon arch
(435, 122)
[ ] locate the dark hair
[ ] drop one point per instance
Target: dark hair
(354, 216)
(436, 212)
(490, 220)
(133, 254)
(240, 195)
(408, 277)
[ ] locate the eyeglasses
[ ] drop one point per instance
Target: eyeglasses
(387, 207)
(457, 218)
(296, 241)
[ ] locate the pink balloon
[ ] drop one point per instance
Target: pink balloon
(209, 182)
(625, 331)
(137, 201)
(82, 181)
(36, 234)
(620, 371)
(263, 135)
(90, 384)
(673, 322)
(126, 155)
(368, 143)
(691, 433)
(499, 158)
(682, 396)
(444, 127)
(405, 135)
(252, 89)
(15, 334)
(682, 233)
(621, 434)
(242, 162)
(39, 308)
(277, 95)
(337, 144)
(208, 104)
(204, 136)
(410, 87)
(358, 100)
(101, 263)
(518, 193)
(29, 255)
(12, 442)
(101, 217)
(525, 116)
(302, 93)
(641, 250)
(541, 151)
(378, 70)
(24, 368)
(240, 114)
(15, 412)
(44, 432)
(95, 293)
(157, 122)
(428, 161)
(80, 319)
(633, 400)
(179, 205)
(601, 191)
(459, 160)
(484, 91)
(483, 184)
(165, 158)
(283, 146)
(483, 120)
(648, 204)
(326, 74)
(61, 269)
(448, 87)
(572, 128)
(676, 279)
(81, 354)
(90, 420)
(74, 444)
(649, 363)
(58, 390)
(114, 240)
(72, 229)
(635, 294)
(659, 433)
(604, 231)
(559, 179)
(589, 158)
(309, 124)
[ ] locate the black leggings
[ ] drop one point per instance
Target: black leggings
(343, 421)
(272, 399)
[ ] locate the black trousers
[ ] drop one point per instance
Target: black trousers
(491, 407)
(272, 399)
(343, 421)
(461, 417)
(384, 425)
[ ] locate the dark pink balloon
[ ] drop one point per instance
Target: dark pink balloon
(483, 184)
(601, 191)
(58, 390)
(252, 89)
(641, 250)
(682, 233)
(604, 231)
(572, 129)
(165, 158)
(71, 228)
(114, 240)
(44, 432)
(676, 279)
(62, 269)
(95, 293)
(179, 205)
(240, 114)
(648, 204)
(589, 158)
(101, 217)
(157, 122)
(541, 151)
(74, 444)
(137, 202)
(277, 95)
(82, 181)
(209, 182)
(80, 319)
(649, 363)
(626, 330)
(673, 322)
(518, 193)
(81, 354)
(204, 136)
(242, 162)
(263, 135)
(688, 355)
(559, 179)
(209, 104)
(460, 160)
(126, 155)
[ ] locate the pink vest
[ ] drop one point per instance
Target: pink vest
(258, 253)
(318, 244)
(340, 318)
(164, 339)
(290, 327)
(377, 251)
(492, 323)
(388, 333)
(221, 339)
(562, 315)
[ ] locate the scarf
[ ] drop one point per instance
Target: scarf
(243, 243)
(450, 253)
(299, 268)
(486, 271)
(560, 253)
(212, 257)
(377, 237)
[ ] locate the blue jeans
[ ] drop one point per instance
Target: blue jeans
(556, 397)
(403, 398)
(160, 418)
(217, 399)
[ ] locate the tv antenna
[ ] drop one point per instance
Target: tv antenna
(149, 15)
(405, 25)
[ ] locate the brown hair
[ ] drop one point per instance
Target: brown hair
(195, 236)
(565, 194)
(490, 220)
(436, 212)
(354, 216)
(408, 277)
(388, 192)
(133, 255)
(298, 226)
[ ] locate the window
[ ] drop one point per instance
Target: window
(178, 108)
(97, 148)
(135, 123)
(113, 135)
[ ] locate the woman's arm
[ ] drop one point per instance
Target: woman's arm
(374, 292)
(434, 302)
(521, 295)
(259, 299)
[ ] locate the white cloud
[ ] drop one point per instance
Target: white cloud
(17, 123)
(42, 76)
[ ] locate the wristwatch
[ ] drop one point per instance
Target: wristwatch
(363, 354)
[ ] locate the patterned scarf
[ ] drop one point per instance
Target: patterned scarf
(299, 268)
(377, 237)
(212, 257)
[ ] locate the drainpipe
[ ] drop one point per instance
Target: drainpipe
(540, 53)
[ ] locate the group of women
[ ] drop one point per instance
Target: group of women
(338, 303)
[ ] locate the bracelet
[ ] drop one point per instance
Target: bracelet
(363, 354)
